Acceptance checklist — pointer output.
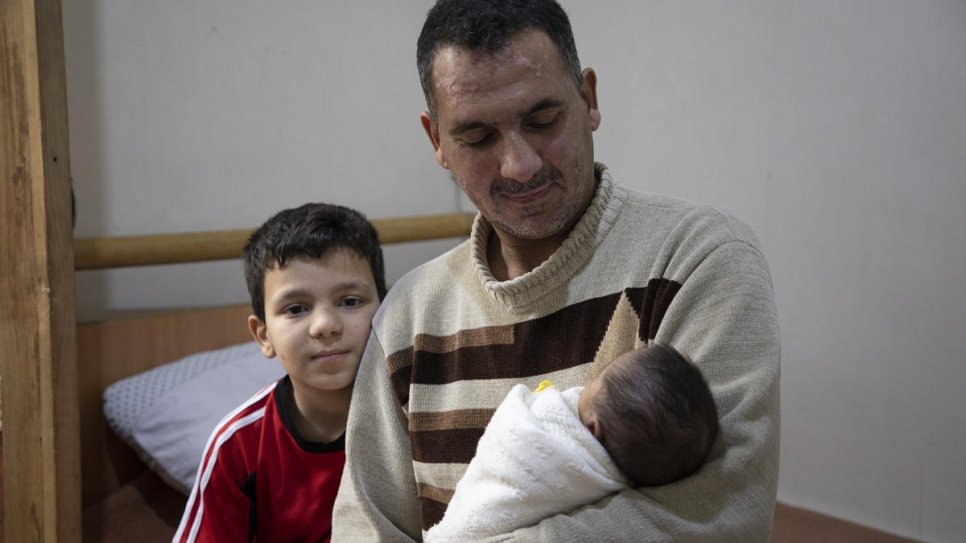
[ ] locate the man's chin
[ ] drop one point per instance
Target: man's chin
(533, 229)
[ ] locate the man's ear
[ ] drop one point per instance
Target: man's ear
(588, 91)
(260, 332)
(432, 131)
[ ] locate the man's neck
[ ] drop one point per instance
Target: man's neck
(510, 257)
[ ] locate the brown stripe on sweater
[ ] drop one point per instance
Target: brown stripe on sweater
(568, 338)
(496, 335)
(651, 304)
(448, 420)
(477, 337)
(431, 512)
(439, 495)
(576, 331)
(399, 361)
(452, 446)
(402, 374)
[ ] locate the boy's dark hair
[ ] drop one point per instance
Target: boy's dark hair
(309, 231)
(488, 26)
(657, 415)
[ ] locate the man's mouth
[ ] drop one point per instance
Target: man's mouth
(530, 195)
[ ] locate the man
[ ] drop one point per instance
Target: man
(564, 271)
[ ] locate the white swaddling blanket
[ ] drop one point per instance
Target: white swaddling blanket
(535, 459)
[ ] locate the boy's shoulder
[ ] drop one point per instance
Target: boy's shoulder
(247, 417)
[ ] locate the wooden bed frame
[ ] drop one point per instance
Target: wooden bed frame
(57, 453)
(112, 350)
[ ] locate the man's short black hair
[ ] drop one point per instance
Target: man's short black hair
(309, 231)
(488, 26)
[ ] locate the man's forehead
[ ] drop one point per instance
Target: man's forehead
(528, 46)
(464, 76)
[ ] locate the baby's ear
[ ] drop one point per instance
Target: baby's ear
(595, 427)
(260, 333)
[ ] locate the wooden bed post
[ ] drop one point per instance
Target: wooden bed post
(41, 460)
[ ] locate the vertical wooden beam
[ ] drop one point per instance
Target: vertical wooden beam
(41, 466)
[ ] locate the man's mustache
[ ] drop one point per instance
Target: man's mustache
(541, 178)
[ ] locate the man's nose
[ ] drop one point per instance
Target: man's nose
(520, 160)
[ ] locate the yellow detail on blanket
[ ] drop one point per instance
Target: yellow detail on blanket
(545, 384)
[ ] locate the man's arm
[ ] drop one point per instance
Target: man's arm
(724, 318)
(377, 499)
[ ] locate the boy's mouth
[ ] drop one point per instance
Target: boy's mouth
(323, 356)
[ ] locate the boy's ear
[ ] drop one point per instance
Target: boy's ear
(260, 333)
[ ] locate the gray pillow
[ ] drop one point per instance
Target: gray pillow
(166, 414)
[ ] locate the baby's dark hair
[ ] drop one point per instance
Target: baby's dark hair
(488, 26)
(309, 231)
(657, 415)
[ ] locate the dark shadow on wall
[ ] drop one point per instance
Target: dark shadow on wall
(87, 154)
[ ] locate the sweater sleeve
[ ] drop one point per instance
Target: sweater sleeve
(377, 498)
(725, 319)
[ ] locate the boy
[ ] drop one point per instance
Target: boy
(271, 468)
(648, 419)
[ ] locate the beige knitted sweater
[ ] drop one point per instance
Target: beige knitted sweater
(450, 341)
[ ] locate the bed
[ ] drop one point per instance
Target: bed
(63, 470)
(143, 372)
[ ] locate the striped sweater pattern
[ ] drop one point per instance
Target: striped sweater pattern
(450, 342)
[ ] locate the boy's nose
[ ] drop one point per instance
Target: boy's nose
(325, 322)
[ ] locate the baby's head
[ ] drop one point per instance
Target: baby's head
(654, 413)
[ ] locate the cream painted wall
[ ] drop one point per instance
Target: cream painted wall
(836, 129)
(216, 114)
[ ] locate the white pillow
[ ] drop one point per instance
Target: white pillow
(166, 414)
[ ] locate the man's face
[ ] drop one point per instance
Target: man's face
(516, 134)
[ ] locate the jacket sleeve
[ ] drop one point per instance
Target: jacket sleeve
(217, 508)
(725, 319)
(377, 498)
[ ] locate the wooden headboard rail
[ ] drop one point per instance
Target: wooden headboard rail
(112, 350)
(119, 252)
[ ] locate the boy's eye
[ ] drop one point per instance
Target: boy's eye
(352, 302)
(294, 310)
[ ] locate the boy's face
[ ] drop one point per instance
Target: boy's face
(318, 313)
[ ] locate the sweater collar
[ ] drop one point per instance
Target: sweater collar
(572, 255)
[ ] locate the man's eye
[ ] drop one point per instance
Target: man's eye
(475, 139)
(543, 120)
(351, 302)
